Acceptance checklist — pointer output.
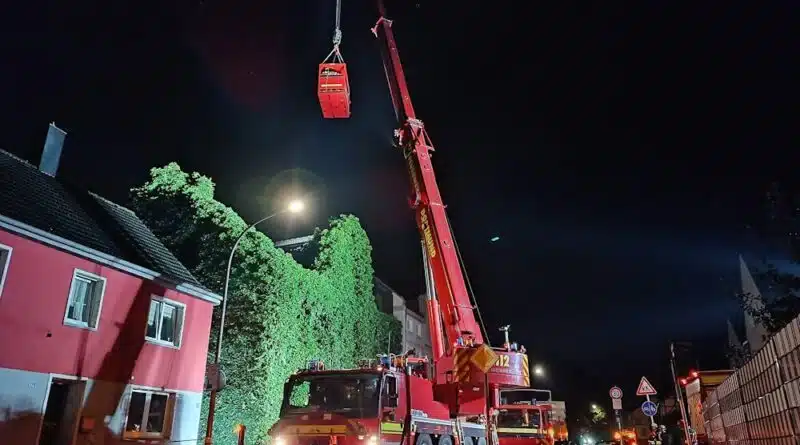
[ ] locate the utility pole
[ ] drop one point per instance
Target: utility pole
(679, 394)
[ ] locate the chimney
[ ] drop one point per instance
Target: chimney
(51, 155)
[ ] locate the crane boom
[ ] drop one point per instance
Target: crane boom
(457, 311)
(468, 371)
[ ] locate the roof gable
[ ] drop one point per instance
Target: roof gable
(60, 209)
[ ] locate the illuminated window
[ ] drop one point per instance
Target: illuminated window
(165, 322)
(85, 300)
(149, 415)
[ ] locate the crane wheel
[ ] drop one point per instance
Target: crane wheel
(425, 439)
(445, 440)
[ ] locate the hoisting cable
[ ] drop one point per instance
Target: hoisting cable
(469, 283)
(337, 33)
(337, 37)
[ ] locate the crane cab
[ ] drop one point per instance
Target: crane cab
(333, 90)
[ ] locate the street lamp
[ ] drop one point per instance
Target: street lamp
(594, 407)
(295, 206)
(538, 370)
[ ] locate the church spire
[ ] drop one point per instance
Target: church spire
(755, 332)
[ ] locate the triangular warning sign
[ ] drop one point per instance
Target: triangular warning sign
(645, 388)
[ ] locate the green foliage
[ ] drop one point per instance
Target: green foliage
(280, 314)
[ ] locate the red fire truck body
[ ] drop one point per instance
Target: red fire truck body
(523, 424)
(369, 406)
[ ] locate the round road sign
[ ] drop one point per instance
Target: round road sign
(649, 408)
(615, 392)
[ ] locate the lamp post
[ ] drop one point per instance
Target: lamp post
(295, 206)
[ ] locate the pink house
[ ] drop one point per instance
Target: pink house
(103, 332)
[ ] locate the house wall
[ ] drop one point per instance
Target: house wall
(35, 344)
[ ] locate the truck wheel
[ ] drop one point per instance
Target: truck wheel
(479, 441)
(424, 439)
(445, 440)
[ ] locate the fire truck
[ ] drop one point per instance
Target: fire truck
(450, 398)
(524, 418)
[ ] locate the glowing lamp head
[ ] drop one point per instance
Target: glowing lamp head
(296, 206)
(695, 374)
(684, 381)
(279, 441)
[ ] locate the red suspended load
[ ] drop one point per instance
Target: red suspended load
(333, 87)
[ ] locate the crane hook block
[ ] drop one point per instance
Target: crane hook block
(333, 90)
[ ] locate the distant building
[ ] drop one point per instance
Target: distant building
(414, 324)
(103, 332)
(755, 333)
(415, 327)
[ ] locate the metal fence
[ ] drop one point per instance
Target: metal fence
(759, 404)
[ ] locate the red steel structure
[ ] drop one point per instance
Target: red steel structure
(448, 399)
(458, 343)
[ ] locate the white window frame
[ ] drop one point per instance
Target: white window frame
(5, 254)
(181, 308)
(169, 415)
(78, 273)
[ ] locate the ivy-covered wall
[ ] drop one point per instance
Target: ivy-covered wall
(280, 314)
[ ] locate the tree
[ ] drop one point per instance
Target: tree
(780, 302)
(280, 314)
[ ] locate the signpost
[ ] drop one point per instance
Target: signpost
(647, 389)
(616, 403)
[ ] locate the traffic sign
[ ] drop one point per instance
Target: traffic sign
(484, 358)
(616, 404)
(645, 388)
(615, 392)
(649, 408)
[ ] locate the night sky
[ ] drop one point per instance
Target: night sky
(618, 149)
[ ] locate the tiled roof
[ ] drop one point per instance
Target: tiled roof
(52, 205)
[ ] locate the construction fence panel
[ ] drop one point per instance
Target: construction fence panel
(712, 419)
(759, 404)
(787, 349)
(732, 411)
(765, 406)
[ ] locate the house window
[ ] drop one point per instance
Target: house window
(85, 300)
(149, 415)
(5, 259)
(165, 322)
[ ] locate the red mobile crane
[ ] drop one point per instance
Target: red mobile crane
(447, 399)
